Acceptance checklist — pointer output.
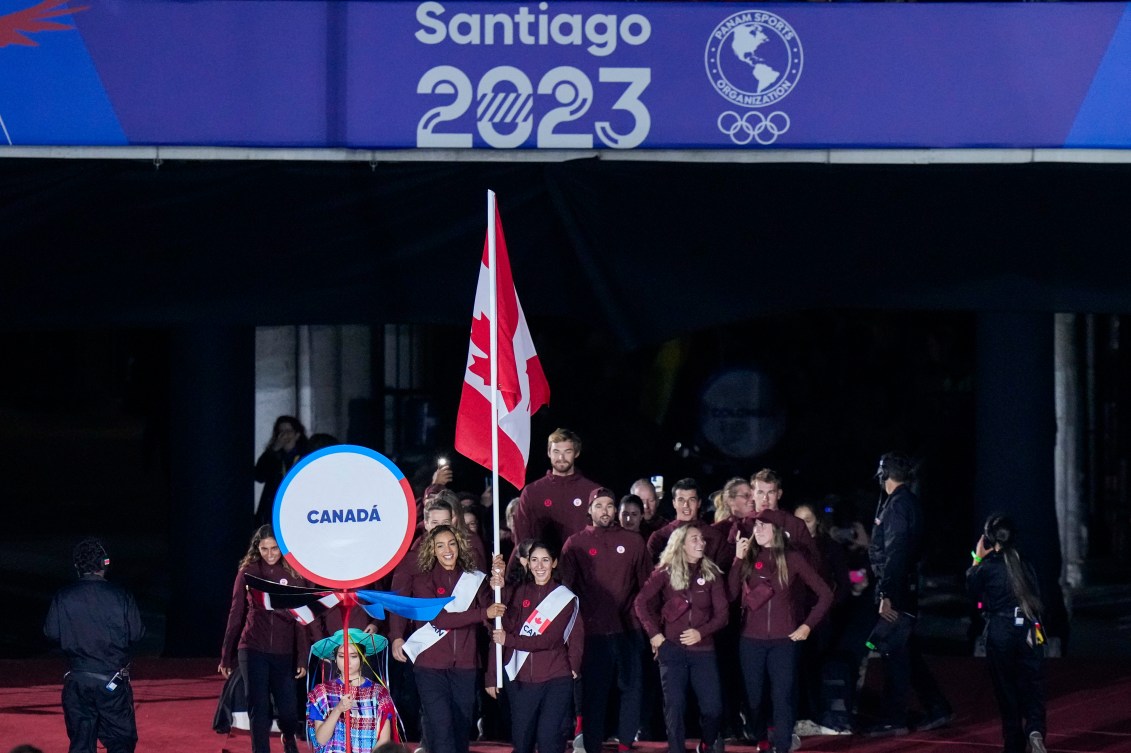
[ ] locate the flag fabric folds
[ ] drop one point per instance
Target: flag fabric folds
(306, 604)
(522, 384)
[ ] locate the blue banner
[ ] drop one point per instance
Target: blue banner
(576, 75)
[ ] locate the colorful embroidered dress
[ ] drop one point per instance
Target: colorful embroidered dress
(373, 711)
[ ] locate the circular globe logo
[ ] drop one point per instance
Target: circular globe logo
(740, 413)
(754, 58)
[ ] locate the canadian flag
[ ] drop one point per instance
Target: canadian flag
(522, 384)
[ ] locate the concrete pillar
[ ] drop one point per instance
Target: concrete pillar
(334, 370)
(313, 372)
(1015, 441)
(276, 386)
(1070, 452)
(211, 465)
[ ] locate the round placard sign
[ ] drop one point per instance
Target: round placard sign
(344, 516)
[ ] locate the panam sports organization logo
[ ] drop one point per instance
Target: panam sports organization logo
(754, 60)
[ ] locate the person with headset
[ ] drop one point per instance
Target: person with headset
(895, 551)
(96, 623)
(1005, 587)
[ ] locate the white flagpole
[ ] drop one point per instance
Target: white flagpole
(494, 313)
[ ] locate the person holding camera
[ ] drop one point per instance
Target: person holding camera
(288, 445)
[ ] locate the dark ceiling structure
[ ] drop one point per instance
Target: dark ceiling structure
(649, 250)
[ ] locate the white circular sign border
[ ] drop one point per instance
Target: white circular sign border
(406, 542)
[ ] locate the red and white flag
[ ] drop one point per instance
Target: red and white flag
(522, 384)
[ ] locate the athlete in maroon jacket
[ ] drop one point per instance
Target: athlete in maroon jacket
(686, 500)
(606, 567)
(555, 507)
(542, 636)
(682, 606)
(767, 496)
(444, 651)
(765, 577)
(739, 499)
(652, 520)
(268, 646)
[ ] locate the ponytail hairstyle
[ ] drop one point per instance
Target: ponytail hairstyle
(999, 530)
(777, 545)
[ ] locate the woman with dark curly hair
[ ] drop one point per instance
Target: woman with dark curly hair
(444, 652)
(269, 647)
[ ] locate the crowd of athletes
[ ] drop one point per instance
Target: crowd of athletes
(734, 619)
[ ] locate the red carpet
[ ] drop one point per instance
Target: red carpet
(1089, 710)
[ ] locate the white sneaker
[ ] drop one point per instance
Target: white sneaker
(579, 743)
(806, 728)
(1036, 742)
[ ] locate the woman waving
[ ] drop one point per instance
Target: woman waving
(763, 578)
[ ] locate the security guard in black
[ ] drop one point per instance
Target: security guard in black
(96, 622)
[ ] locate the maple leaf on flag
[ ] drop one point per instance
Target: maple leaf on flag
(14, 27)
(481, 340)
(481, 365)
(522, 387)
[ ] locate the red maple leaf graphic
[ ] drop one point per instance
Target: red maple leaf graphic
(481, 365)
(15, 26)
(481, 338)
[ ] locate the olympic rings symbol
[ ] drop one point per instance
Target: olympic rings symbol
(743, 129)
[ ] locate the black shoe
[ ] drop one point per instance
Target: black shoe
(289, 744)
(935, 721)
(886, 730)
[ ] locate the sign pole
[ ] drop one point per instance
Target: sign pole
(347, 603)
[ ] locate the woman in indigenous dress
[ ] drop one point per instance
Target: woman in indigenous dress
(369, 705)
